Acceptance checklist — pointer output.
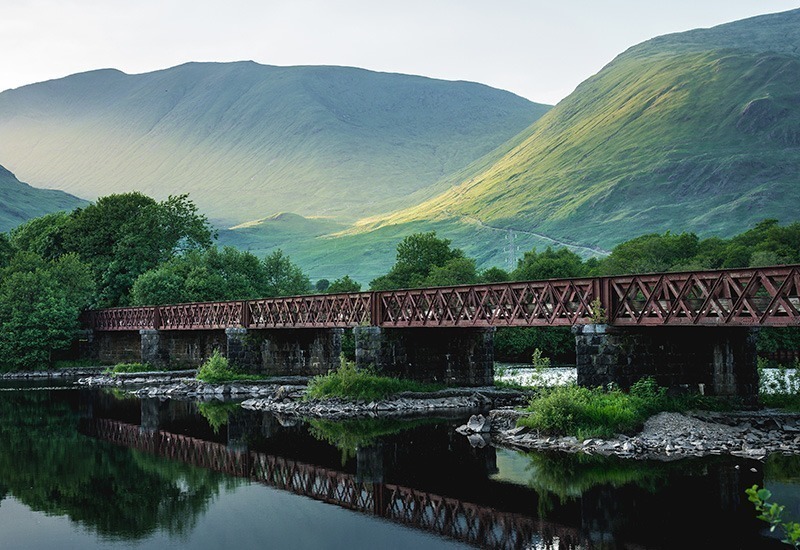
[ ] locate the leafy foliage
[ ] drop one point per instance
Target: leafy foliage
(119, 237)
(343, 284)
(517, 344)
(43, 235)
(282, 277)
(651, 253)
(598, 412)
(772, 513)
(39, 306)
(217, 369)
(348, 382)
(550, 264)
(211, 274)
(423, 259)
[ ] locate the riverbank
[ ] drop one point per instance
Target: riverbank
(494, 411)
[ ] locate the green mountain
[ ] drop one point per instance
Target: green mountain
(696, 131)
(21, 202)
(248, 141)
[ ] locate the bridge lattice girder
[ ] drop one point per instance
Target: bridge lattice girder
(763, 296)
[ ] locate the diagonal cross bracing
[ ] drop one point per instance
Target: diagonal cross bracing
(762, 296)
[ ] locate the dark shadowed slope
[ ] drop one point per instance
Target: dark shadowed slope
(20, 202)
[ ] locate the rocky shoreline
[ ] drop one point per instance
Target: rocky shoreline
(666, 436)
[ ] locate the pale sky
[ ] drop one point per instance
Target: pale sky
(540, 50)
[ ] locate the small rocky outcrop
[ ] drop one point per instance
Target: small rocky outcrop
(665, 436)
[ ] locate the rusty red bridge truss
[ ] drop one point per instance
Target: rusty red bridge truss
(763, 296)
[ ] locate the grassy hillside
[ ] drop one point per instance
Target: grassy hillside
(696, 131)
(324, 252)
(249, 141)
(21, 202)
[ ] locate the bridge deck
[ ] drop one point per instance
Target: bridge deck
(764, 296)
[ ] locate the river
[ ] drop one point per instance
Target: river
(88, 468)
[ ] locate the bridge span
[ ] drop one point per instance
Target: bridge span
(693, 328)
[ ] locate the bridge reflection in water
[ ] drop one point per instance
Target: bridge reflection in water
(471, 523)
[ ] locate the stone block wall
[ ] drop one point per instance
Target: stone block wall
(710, 360)
(452, 356)
(181, 349)
(110, 348)
(285, 352)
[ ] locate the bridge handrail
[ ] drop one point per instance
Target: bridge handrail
(757, 296)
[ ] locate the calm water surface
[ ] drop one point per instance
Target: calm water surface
(97, 469)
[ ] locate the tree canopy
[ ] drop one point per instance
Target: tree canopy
(550, 264)
(423, 259)
(119, 237)
(219, 274)
(40, 303)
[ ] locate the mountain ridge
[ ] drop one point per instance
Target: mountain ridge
(621, 154)
(317, 140)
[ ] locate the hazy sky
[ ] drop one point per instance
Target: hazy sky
(538, 49)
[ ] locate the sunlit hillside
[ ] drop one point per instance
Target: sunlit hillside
(697, 131)
(248, 141)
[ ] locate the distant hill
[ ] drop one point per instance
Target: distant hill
(20, 202)
(696, 131)
(248, 141)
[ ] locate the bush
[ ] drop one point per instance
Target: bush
(585, 412)
(348, 382)
(218, 369)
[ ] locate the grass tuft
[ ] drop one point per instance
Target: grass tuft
(604, 412)
(348, 382)
(124, 368)
(217, 369)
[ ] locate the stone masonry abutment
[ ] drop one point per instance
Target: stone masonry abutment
(718, 361)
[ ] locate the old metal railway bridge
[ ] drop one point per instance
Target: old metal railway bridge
(692, 328)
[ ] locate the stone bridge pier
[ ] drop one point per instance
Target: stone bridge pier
(284, 352)
(719, 361)
(452, 356)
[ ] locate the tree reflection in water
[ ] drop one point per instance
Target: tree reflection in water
(46, 464)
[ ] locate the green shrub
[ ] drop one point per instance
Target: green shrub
(517, 344)
(348, 382)
(217, 369)
(647, 389)
(538, 361)
(597, 412)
